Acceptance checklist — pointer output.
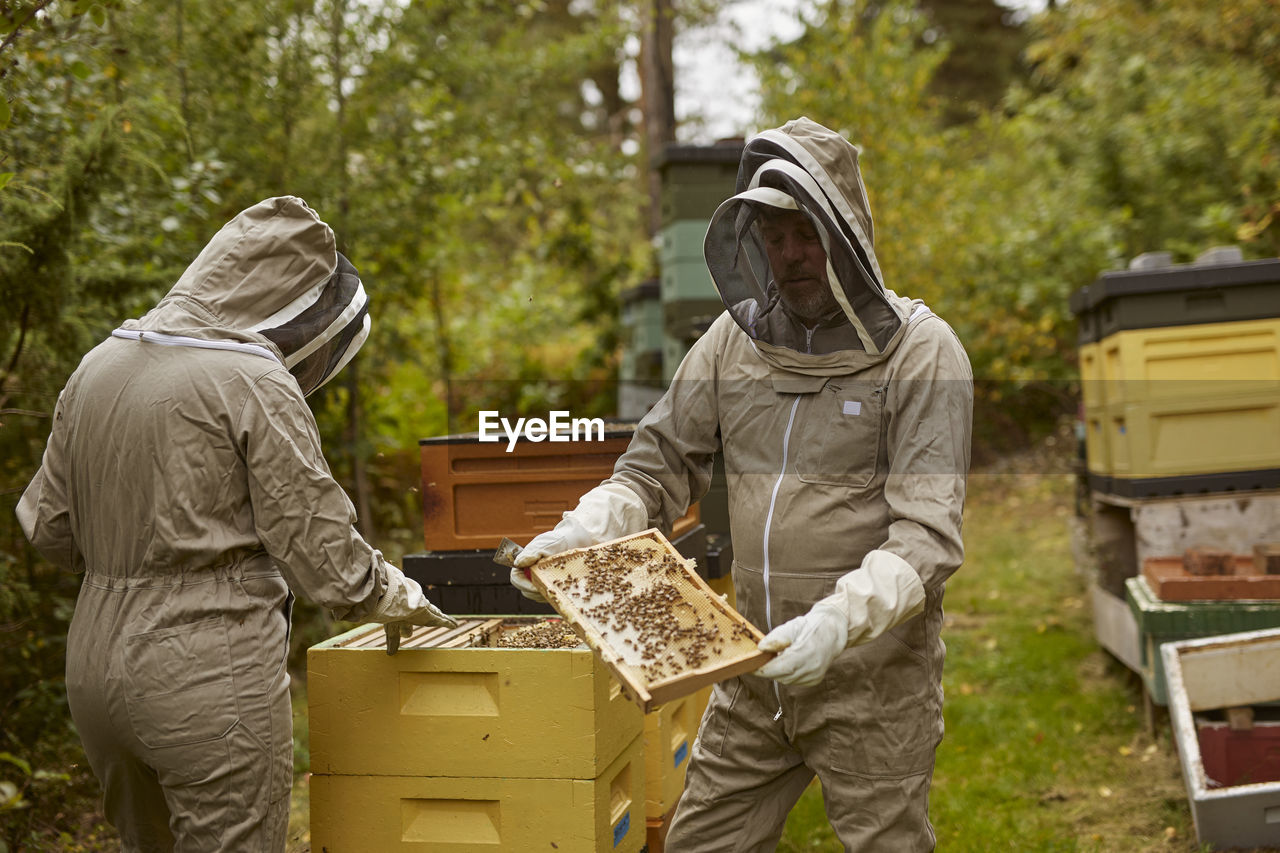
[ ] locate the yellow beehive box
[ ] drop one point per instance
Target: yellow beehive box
(1097, 455)
(1190, 362)
(1091, 377)
(668, 741)
(1097, 443)
(442, 706)
(425, 814)
(1196, 435)
(723, 586)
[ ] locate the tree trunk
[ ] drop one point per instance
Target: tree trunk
(359, 476)
(657, 96)
(444, 350)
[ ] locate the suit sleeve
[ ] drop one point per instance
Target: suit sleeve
(304, 519)
(929, 433)
(44, 511)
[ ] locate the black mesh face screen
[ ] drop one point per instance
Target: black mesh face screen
(321, 337)
(738, 260)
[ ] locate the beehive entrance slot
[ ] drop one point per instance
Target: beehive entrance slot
(451, 821)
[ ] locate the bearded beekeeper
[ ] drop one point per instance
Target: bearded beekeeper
(184, 477)
(844, 414)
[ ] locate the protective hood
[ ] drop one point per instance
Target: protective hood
(271, 277)
(806, 167)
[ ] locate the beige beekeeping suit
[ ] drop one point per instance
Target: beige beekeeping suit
(184, 477)
(846, 449)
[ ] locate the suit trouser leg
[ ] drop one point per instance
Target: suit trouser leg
(889, 815)
(745, 775)
(742, 781)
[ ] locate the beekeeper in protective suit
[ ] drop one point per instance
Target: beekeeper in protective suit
(844, 415)
(184, 477)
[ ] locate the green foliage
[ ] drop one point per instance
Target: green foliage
(487, 204)
(1146, 127)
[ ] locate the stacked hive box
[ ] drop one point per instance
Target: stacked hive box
(669, 733)
(1180, 388)
(476, 493)
(449, 747)
(1180, 374)
(640, 366)
(695, 179)
(1162, 622)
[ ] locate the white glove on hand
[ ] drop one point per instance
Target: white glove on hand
(608, 511)
(521, 580)
(404, 605)
(883, 593)
(808, 644)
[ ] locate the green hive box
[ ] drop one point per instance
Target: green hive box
(1162, 622)
(695, 179)
(642, 333)
(682, 241)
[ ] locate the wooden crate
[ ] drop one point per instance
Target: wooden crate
(1170, 581)
(445, 705)
(1229, 671)
(475, 493)
(658, 626)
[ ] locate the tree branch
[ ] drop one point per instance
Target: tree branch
(13, 35)
(17, 351)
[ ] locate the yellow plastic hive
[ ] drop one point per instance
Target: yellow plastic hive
(723, 585)
(424, 814)
(1091, 386)
(1195, 435)
(1189, 362)
(475, 712)
(1097, 454)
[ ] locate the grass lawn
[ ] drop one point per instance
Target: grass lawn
(1046, 745)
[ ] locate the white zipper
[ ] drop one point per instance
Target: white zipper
(768, 525)
(768, 521)
(198, 343)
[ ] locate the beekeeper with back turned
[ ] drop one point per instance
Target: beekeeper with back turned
(844, 414)
(184, 477)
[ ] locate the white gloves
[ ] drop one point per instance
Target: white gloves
(402, 606)
(608, 511)
(885, 592)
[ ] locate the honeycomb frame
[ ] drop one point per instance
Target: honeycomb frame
(657, 625)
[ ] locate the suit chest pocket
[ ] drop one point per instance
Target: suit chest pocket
(840, 441)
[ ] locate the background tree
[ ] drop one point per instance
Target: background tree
(985, 42)
(1144, 127)
(457, 148)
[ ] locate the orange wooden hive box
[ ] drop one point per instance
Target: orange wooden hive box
(475, 493)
